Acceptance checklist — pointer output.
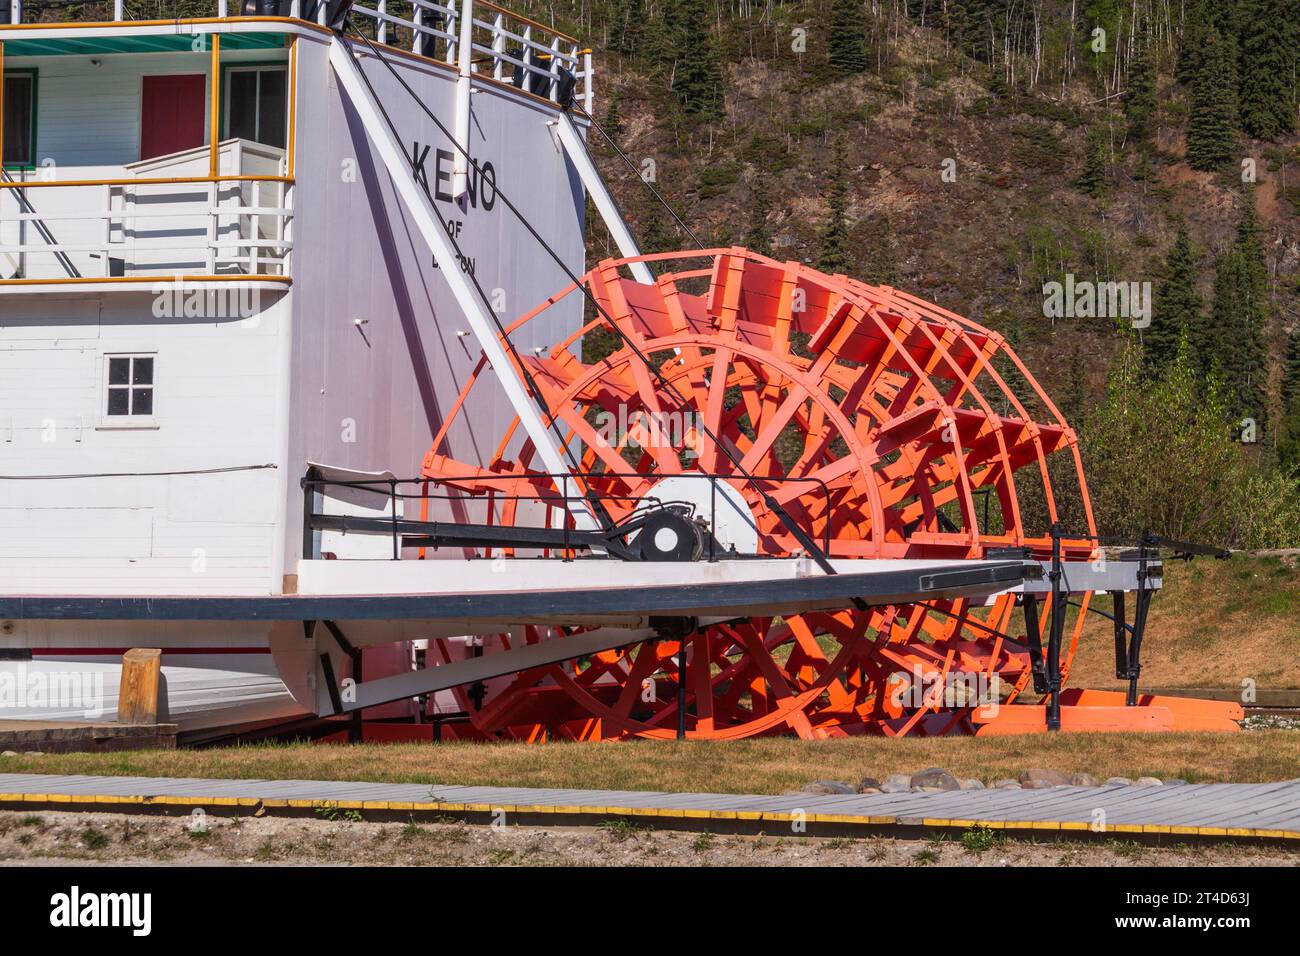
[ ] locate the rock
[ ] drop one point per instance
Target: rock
(935, 777)
(1118, 782)
(972, 784)
(9, 753)
(1147, 782)
(1006, 783)
(867, 790)
(1174, 782)
(868, 783)
(827, 787)
(1083, 780)
(896, 783)
(1040, 779)
(33, 753)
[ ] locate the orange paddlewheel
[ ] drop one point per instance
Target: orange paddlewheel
(883, 425)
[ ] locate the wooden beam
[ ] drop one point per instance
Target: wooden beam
(137, 696)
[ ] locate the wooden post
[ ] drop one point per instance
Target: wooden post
(214, 120)
(137, 696)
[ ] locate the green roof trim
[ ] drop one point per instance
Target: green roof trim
(89, 45)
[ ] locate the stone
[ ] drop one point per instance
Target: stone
(1147, 782)
(935, 777)
(1006, 783)
(1083, 780)
(927, 790)
(33, 753)
(1040, 779)
(1174, 782)
(868, 790)
(827, 787)
(972, 784)
(1118, 782)
(896, 783)
(868, 783)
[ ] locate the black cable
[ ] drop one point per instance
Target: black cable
(140, 474)
(645, 182)
(804, 539)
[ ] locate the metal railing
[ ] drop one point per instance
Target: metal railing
(507, 47)
(555, 499)
(207, 226)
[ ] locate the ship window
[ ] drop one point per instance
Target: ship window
(256, 103)
(20, 118)
(130, 385)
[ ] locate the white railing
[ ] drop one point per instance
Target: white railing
(508, 47)
(193, 227)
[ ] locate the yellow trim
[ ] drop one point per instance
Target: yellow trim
(131, 24)
(293, 103)
(214, 121)
(665, 813)
(155, 181)
(148, 280)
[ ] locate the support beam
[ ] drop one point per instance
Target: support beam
(576, 149)
(464, 107)
(420, 207)
(430, 680)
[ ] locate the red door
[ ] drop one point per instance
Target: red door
(171, 114)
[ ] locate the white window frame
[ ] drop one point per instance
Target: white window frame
(128, 421)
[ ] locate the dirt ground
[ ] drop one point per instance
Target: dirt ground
(105, 838)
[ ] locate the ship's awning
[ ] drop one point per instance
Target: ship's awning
(90, 44)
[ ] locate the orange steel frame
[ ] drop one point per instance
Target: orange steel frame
(900, 407)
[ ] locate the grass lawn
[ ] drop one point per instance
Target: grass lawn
(769, 765)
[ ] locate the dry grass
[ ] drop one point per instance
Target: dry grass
(771, 765)
(1215, 624)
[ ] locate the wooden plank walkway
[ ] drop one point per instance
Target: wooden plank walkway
(1230, 811)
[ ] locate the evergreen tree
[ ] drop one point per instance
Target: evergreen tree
(1176, 310)
(697, 78)
(758, 236)
(1191, 42)
(1212, 132)
(613, 124)
(655, 237)
(629, 29)
(1092, 181)
(1140, 101)
(835, 256)
(848, 44)
(1291, 372)
(1236, 338)
(1267, 110)
(1288, 441)
(880, 262)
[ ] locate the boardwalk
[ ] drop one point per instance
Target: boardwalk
(1240, 811)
